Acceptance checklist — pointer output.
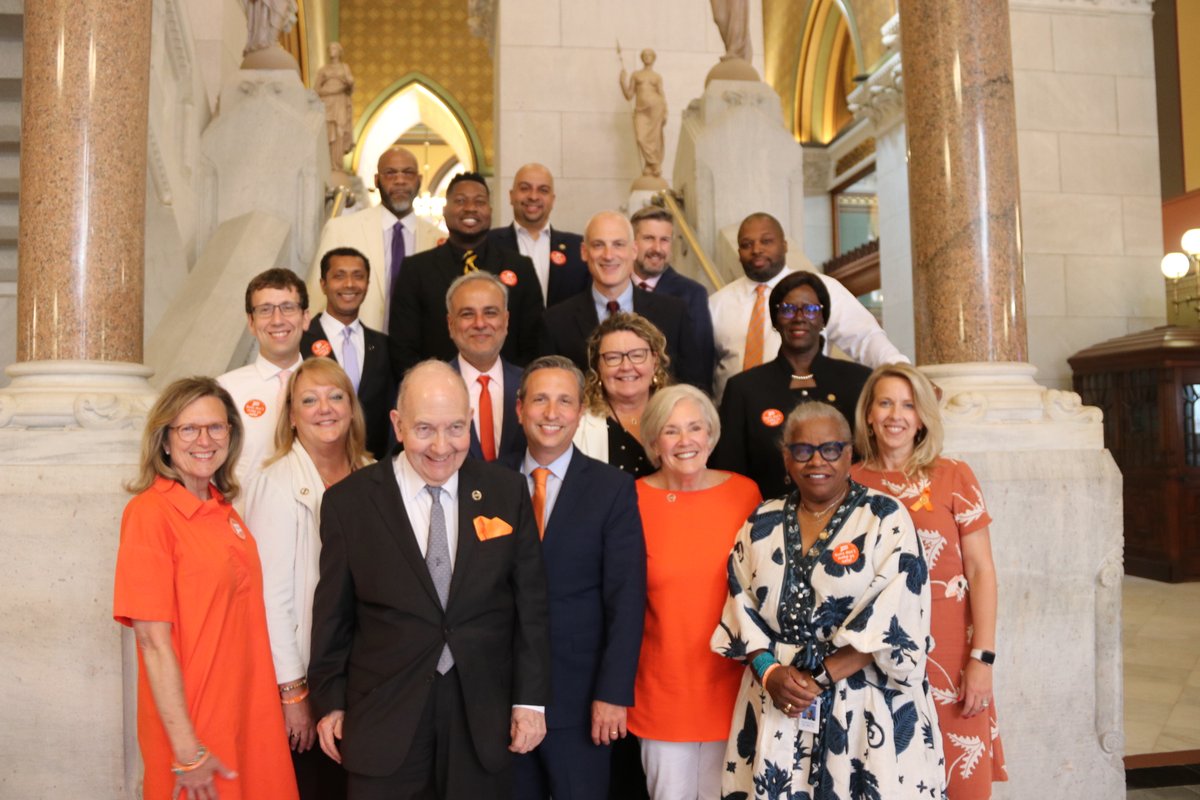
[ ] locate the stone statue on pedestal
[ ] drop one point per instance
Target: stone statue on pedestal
(334, 84)
(265, 21)
(645, 88)
(733, 20)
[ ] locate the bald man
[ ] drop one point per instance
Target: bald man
(430, 644)
(386, 234)
(555, 254)
(609, 251)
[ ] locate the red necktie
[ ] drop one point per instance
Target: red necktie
(539, 498)
(487, 429)
(613, 307)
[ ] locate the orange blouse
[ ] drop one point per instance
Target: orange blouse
(194, 564)
(684, 691)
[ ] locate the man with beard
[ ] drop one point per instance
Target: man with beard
(555, 254)
(386, 234)
(742, 330)
(417, 320)
(653, 233)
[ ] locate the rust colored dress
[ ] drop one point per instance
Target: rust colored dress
(684, 691)
(945, 507)
(193, 564)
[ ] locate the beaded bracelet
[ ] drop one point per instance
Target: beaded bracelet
(183, 769)
(296, 684)
(290, 701)
(762, 661)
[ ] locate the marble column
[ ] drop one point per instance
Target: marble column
(81, 240)
(963, 186)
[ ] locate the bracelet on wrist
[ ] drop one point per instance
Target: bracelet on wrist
(820, 675)
(291, 701)
(296, 684)
(762, 662)
(767, 673)
(183, 769)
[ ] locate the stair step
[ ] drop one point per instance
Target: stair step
(8, 262)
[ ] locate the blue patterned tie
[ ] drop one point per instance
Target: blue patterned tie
(350, 360)
(437, 559)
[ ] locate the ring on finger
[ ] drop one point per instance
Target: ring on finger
(787, 709)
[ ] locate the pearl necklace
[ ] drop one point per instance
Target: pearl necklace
(807, 377)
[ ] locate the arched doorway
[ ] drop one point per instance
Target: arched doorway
(830, 55)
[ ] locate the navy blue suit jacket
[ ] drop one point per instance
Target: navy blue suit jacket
(566, 279)
(512, 435)
(696, 297)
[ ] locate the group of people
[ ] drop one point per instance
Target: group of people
(642, 542)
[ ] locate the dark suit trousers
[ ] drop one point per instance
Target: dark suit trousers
(318, 776)
(441, 764)
(565, 766)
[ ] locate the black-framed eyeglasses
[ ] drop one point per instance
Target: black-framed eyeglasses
(638, 355)
(810, 311)
(217, 431)
(802, 452)
(267, 310)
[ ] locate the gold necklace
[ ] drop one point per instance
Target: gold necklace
(826, 509)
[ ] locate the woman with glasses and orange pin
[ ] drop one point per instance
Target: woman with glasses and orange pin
(189, 583)
(899, 437)
(757, 401)
(828, 608)
(627, 364)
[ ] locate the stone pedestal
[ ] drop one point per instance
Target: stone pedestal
(735, 157)
(267, 151)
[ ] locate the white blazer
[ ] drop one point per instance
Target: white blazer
(363, 230)
(591, 437)
(283, 511)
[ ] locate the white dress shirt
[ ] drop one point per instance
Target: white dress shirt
(470, 376)
(651, 282)
(851, 327)
(625, 301)
(337, 340)
(418, 504)
(388, 220)
(554, 481)
(538, 251)
(255, 391)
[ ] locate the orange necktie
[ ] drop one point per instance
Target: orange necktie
(754, 334)
(539, 498)
(487, 429)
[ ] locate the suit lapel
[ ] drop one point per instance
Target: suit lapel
(586, 319)
(468, 542)
(509, 426)
(394, 516)
(475, 450)
(574, 485)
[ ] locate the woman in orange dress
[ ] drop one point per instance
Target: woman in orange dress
(899, 435)
(189, 583)
(684, 695)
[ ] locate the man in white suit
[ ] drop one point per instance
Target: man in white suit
(385, 234)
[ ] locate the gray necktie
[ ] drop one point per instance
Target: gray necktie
(437, 559)
(350, 360)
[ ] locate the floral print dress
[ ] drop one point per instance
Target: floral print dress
(865, 586)
(947, 505)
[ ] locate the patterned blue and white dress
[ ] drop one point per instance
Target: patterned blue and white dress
(866, 586)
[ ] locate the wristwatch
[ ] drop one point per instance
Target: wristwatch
(986, 656)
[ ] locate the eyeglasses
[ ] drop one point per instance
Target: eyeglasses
(802, 452)
(810, 311)
(267, 310)
(217, 431)
(614, 358)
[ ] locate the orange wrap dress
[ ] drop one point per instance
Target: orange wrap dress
(195, 565)
(684, 691)
(945, 507)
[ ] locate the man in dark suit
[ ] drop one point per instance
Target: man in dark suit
(416, 324)
(365, 354)
(430, 650)
(596, 572)
(653, 234)
(608, 251)
(477, 313)
(555, 254)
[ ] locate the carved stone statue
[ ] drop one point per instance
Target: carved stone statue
(645, 88)
(733, 20)
(265, 21)
(334, 84)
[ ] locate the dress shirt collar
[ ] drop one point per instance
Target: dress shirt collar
(411, 484)
(388, 219)
(625, 300)
(333, 327)
(749, 286)
(523, 233)
(557, 467)
(184, 501)
(268, 371)
(470, 375)
(651, 281)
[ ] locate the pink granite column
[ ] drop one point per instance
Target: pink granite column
(968, 285)
(83, 180)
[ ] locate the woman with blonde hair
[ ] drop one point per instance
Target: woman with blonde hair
(627, 364)
(320, 439)
(189, 583)
(899, 436)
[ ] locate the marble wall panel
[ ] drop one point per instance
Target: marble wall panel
(1103, 44)
(1045, 285)
(1049, 101)
(580, 198)
(1141, 219)
(1116, 286)
(1031, 41)
(895, 238)
(1137, 109)
(1037, 152)
(529, 24)
(1054, 339)
(1071, 223)
(1109, 165)
(8, 328)
(818, 228)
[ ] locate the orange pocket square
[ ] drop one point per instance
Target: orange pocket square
(491, 528)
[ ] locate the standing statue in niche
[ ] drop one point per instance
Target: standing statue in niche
(334, 84)
(265, 21)
(733, 20)
(645, 88)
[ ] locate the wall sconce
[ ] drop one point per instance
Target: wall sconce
(1177, 266)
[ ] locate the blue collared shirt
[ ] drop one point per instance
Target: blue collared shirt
(625, 301)
(558, 471)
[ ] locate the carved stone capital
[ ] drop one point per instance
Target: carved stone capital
(72, 395)
(880, 98)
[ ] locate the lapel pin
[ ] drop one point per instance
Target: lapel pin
(476, 495)
(304, 490)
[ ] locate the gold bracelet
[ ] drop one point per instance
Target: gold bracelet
(182, 769)
(296, 684)
(290, 701)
